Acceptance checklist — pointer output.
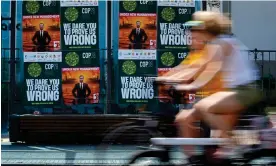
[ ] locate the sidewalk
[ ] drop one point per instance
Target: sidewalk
(4, 135)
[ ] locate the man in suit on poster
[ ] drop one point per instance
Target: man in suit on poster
(41, 38)
(83, 91)
(138, 36)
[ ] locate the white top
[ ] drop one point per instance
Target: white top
(239, 70)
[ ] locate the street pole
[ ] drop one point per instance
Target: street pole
(109, 58)
(12, 58)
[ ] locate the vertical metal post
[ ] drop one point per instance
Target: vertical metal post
(109, 57)
(12, 57)
(204, 5)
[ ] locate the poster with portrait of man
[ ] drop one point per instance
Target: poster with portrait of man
(137, 26)
(41, 26)
(137, 32)
(80, 85)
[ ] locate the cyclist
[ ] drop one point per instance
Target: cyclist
(227, 78)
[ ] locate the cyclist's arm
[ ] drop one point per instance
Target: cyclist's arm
(186, 75)
(213, 62)
(172, 73)
(187, 72)
(192, 70)
(208, 74)
(176, 69)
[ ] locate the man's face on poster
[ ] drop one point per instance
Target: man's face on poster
(41, 26)
(81, 79)
(138, 24)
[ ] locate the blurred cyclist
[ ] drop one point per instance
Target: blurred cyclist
(226, 77)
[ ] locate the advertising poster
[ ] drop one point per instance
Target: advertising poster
(80, 85)
(167, 60)
(173, 38)
(137, 25)
(42, 79)
(172, 34)
(137, 51)
(41, 26)
(80, 77)
(42, 62)
(136, 76)
(79, 25)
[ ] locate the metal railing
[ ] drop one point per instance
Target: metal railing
(266, 60)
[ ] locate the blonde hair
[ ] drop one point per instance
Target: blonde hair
(214, 22)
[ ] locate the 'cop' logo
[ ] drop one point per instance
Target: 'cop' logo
(49, 3)
(88, 11)
(182, 55)
(144, 64)
(88, 55)
(51, 66)
(184, 11)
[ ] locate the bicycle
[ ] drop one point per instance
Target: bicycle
(264, 147)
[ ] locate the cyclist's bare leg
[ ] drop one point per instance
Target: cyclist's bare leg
(220, 110)
(185, 120)
(220, 103)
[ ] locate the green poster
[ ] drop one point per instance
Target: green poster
(136, 71)
(79, 26)
(142, 6)
(45, 7)
(171, 58)
(136, 84)
(167, 60)
(173, 38)
(172, 34)
(87, 58)
(42, 83)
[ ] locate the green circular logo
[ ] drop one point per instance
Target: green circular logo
(72, 59)
(71, 14)
(34, 70)
(32, 7)
(168, 14)
(167, 59)
(129, 5)
(129, 67)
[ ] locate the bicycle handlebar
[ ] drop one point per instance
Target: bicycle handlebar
(174, 95)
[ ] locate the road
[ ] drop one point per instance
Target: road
(71, 154)
(74, 154)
